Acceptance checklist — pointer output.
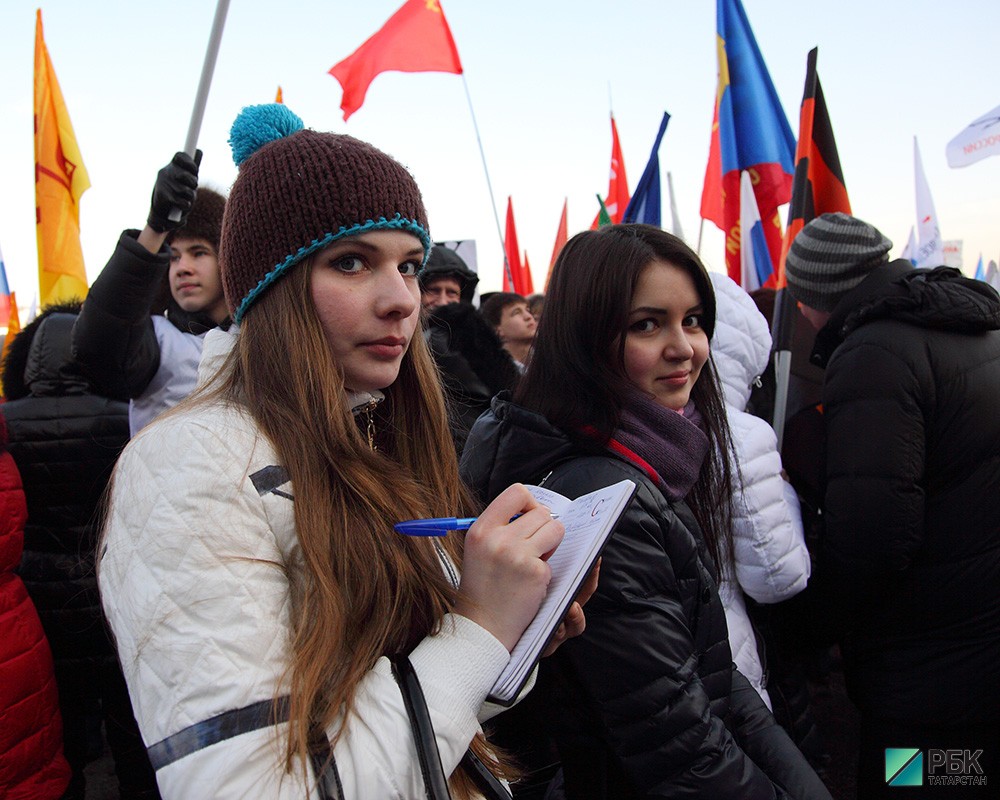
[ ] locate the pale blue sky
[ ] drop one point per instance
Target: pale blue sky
(541, 75)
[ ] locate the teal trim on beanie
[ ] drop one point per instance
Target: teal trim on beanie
(398, 222)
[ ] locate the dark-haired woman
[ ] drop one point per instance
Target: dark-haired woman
(647, 703)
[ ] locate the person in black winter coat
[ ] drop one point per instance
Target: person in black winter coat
(909, 564)
(647, 702)
(473, 363)
(141, 329)
(65, 439)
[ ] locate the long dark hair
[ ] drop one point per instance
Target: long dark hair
(576, 375)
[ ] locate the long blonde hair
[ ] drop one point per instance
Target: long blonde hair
(362, 591)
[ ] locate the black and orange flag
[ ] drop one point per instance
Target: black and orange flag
(818, 188)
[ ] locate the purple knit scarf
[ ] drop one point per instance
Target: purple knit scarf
(672, 443)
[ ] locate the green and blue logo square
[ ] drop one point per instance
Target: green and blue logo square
(904, 766)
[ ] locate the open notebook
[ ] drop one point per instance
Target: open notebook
(589, 521)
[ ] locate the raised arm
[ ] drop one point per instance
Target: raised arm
(113, 339)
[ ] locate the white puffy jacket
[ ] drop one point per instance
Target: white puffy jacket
(194, 583)
(772, 562)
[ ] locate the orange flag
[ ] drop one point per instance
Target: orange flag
(618, 196)
(562, 234)
(60, 179)
(277, 97)
(414, 39)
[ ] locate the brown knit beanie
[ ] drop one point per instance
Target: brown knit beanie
(297, 191)
(205, 219)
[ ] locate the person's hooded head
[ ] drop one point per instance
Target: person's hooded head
(446, 279)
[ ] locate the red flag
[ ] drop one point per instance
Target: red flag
(819, 181)
(618, 196)
(562, 234)
(527, 284)
(512, 268)
(414, 39)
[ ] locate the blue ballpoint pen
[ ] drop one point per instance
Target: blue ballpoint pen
(436, 526)
(439, 526)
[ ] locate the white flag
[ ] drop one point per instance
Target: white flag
(929, 248)
(675, 220)
(993, 276)
(979, 140)
(952, 250)
(910, 251)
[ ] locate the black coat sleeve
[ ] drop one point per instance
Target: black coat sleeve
(113, 338)
(768, 745)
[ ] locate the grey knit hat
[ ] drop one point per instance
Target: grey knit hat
(830, 256)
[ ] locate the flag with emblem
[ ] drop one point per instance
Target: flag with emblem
(414, 39)
(749, 132)
(60, 180)
(618, 196)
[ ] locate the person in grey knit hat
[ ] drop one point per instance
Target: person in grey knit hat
(831, 255)
(909, 555)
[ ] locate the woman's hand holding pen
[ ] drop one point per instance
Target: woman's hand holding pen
(504, 569)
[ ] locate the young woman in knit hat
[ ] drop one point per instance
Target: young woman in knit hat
(647, 702)
(252, 577)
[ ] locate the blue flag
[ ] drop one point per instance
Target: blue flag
(980, 271)
(645, 203)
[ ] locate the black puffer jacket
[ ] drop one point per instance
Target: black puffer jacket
(646, 703)
(910, 558)
(65, 440)
(473, 363)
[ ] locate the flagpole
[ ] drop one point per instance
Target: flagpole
(701, 229)
(201, 96)
(489, 184)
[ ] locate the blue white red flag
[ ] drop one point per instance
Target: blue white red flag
(755, 260)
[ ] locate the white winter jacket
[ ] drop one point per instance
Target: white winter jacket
(194, 581)
(772, 562)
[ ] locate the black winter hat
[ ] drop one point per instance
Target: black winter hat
(445, 262)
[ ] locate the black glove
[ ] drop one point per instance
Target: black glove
(175, 188)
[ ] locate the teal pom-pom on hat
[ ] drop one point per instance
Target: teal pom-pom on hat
(259, 125)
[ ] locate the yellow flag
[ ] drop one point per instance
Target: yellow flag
(60, 179)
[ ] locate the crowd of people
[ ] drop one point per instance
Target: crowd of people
(203, 463)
